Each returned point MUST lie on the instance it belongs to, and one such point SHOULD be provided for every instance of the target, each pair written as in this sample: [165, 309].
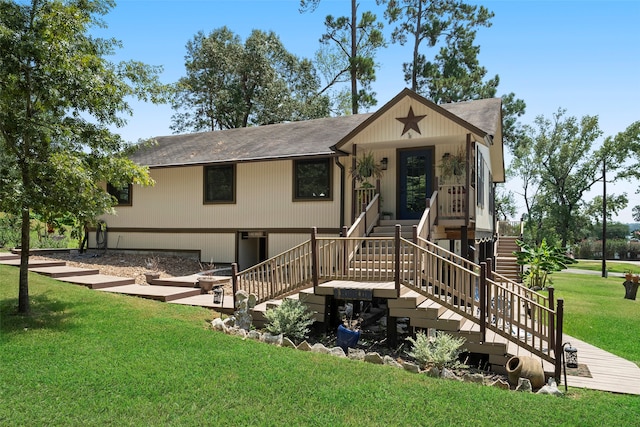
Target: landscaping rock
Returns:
[356, 354]
[229, 322]
[502, 384]
[524, 385]
[319, 348]
[450, 375]
[374, 358]
[235, 331]
[304, 346]
[286, 342]
[433, 372]
[218, 324]
[272, 339]
[390, 361]
[551, 388]
[473, 378]
[411, 367]
[337, 351]
[254, 335]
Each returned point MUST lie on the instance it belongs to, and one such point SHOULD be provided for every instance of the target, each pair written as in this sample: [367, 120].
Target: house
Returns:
[287, 194]
[244, 195]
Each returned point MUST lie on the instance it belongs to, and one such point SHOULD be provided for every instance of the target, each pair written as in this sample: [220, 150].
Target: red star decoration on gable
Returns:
[410, 122]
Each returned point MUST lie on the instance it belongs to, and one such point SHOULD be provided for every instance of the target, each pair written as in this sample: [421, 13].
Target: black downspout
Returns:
[342, 181]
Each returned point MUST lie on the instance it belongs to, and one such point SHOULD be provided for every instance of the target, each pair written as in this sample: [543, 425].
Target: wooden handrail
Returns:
[367, 219]
[278, 275]
[429, 217]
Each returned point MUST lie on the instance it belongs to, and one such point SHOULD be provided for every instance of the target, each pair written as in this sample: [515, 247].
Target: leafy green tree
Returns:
[449, 25]
[453, 73]
[558, 158]
[59, 98]
[229, 84]
[355, 42]
[505, 203]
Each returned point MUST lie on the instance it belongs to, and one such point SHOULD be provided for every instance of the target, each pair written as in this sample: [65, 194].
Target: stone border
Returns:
[524, 385]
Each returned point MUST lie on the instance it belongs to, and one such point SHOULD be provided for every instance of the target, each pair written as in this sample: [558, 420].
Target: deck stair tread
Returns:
[15, 262]
[204, 300]
[160, 293]
[5, 256]
[98, 281]
[64, 271]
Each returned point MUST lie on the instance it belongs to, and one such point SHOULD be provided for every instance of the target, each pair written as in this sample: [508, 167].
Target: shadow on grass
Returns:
[47, 312]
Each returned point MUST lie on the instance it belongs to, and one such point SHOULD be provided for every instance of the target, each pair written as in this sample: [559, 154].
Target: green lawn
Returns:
[596, 312]
[91, 358]
[612, 266]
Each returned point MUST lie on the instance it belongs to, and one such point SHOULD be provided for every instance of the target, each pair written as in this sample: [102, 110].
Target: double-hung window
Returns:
[122, 194]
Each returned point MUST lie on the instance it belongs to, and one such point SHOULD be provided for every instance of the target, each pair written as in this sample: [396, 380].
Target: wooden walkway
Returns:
[606, 371]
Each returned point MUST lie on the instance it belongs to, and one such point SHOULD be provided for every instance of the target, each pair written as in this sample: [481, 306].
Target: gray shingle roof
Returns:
[485, 114]
[284, 140]
[290, 140]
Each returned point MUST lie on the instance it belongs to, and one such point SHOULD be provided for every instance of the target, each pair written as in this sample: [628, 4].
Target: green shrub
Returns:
[291, 318]
[9, 231]
[441, 351]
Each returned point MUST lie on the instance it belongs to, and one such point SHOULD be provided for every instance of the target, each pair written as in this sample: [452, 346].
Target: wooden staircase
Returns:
[505, 261]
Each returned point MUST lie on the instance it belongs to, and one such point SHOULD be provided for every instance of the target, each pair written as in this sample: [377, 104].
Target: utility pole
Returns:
[604, 218]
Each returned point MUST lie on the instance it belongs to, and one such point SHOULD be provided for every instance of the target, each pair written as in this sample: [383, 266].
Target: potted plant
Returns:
[153, 271]
[453, 165]
[206, 278]
[366, 167]
[348, 332]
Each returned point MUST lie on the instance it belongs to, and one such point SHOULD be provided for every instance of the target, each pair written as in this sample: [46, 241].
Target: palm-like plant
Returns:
[542, 261]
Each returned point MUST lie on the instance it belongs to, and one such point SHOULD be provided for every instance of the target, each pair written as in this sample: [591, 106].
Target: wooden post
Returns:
[414, 229]
[392, 330]
[557, 352]
[552, 326]
[345, 244]
[314, 258]
[234, 283]
[489, 268]
[464, 242]
[483, 301]
[396, 276]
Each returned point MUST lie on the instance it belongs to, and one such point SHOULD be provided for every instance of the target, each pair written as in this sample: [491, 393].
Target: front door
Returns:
[415, 183]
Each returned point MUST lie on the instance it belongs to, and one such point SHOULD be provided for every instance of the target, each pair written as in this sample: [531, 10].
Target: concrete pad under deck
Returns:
[159, 293]
[64, 271]
[98, 281]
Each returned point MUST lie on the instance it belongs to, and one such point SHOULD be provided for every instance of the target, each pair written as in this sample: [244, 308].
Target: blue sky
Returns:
[580, 55]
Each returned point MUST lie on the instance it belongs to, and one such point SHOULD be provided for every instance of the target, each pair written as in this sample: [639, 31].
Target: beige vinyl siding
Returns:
[484, 217]
[264, 199]
[387, 128]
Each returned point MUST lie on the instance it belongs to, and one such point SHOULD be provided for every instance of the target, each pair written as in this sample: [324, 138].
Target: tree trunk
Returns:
[354, 67]
[23, 291]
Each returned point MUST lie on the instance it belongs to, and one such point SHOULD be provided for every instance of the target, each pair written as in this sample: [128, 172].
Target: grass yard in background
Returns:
[92, 358]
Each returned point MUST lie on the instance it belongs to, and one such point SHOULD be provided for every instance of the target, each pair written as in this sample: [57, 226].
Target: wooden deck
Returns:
[606, 371]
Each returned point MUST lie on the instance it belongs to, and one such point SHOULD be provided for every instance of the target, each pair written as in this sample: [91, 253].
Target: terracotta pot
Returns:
[525, 367]
[206, 283]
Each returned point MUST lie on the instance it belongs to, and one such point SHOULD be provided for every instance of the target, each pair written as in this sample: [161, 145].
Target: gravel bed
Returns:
[129, 265]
